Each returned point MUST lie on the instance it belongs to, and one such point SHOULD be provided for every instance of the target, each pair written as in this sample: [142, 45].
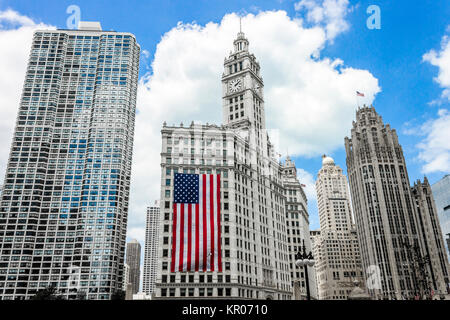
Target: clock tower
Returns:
[243, 96]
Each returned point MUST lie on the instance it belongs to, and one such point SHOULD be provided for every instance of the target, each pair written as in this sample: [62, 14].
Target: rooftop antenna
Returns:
[240, 24]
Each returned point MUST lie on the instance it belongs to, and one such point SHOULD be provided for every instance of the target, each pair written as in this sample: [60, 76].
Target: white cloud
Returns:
[307, 179]
[137, 233]
[310, 101]
[435, 147]
[16, 32]
[10, 17]
[441, 60]
[327, 13]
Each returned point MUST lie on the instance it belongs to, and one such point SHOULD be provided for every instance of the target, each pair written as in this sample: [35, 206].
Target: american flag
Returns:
[359, 94]
[196, 230]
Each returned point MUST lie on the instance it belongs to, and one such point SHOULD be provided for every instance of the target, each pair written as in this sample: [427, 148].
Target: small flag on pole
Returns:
[303, 185]
[359, 94]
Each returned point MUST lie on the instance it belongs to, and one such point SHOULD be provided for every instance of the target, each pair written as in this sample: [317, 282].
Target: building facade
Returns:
[126, 277]
[297, 221]
[336, 248]
[151, 250]
[64, 206]
[134, 263]
[441, 194]
[255, 257]
[437, 267]
[384, 207]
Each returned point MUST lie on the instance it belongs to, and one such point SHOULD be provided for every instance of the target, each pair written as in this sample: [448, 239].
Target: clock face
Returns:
[235, 85]
[256, 87]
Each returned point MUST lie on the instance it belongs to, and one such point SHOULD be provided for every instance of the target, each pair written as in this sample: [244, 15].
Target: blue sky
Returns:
[393, 54]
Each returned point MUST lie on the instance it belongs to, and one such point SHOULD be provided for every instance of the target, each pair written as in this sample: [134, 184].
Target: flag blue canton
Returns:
[186, 188]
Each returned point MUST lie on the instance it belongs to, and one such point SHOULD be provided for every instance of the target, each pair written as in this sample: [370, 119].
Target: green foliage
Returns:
[49, 293]
[118, 295]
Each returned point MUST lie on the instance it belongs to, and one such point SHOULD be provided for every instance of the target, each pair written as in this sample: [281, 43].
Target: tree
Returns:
[118, 295]
[49, 293]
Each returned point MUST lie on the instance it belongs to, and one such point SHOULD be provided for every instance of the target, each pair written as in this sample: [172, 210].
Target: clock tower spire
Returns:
[243, 95]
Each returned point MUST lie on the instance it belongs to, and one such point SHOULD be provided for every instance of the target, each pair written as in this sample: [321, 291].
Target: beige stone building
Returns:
[336, 249]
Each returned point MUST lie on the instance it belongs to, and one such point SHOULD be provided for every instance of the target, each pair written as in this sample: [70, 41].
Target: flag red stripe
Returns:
[174, 237]
[180, 263]
[197, 235]
[189, 251]
[211, 214]
[205, 239]
[219, 228]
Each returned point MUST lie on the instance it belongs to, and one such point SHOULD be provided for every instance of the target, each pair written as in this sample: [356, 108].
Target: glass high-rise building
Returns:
[64, 206]
[441, 194]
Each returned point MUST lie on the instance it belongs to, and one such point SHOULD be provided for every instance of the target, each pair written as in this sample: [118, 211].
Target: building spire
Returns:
[241, 43]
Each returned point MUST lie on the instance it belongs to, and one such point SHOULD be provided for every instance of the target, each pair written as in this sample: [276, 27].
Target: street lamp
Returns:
[303, 259]
[421, 281]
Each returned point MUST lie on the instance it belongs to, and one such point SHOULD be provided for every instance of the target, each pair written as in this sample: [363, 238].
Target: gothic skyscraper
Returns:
[433, 241]
[388, 222]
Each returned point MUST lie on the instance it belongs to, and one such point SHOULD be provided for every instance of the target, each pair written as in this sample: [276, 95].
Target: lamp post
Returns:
[419, 266]
[305, 259]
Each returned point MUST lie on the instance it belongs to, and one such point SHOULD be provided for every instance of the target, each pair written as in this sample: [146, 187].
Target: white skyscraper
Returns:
[64, 206]
[151, 249]
[126, 276]
[254, 244]
[336, 250]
